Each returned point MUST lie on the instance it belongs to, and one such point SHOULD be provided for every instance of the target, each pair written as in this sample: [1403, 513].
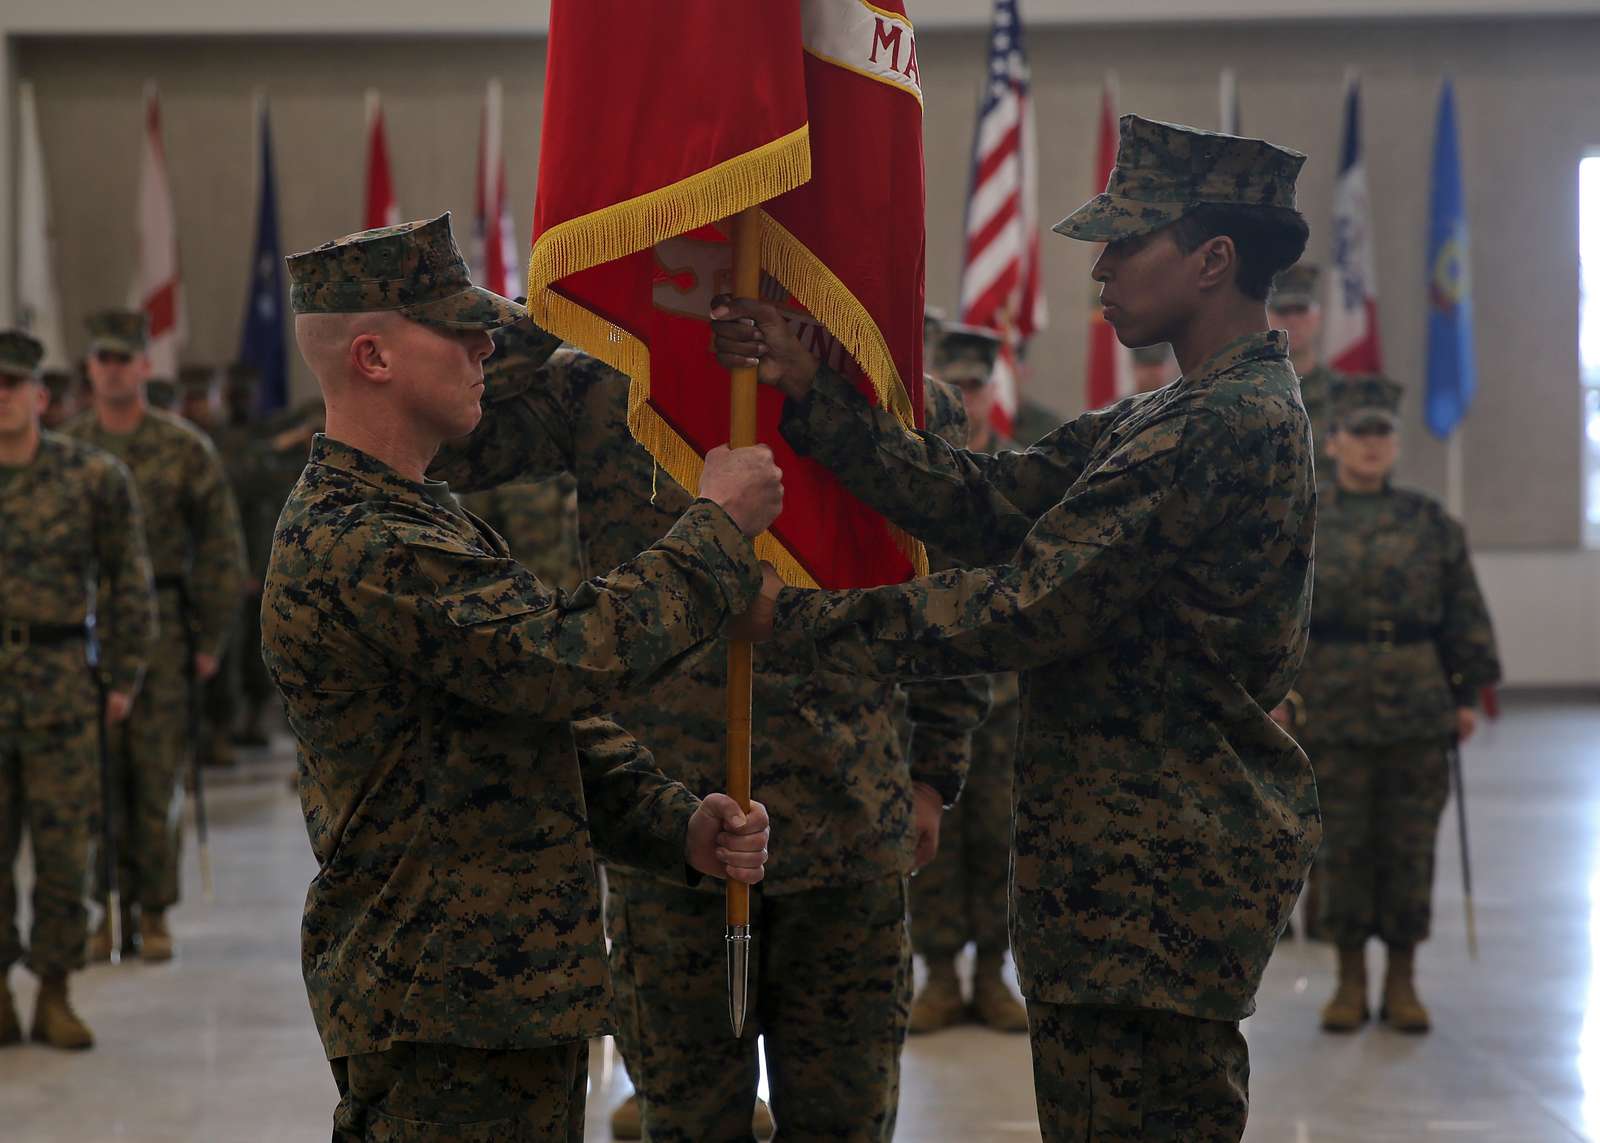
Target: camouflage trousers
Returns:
[962, 894]
[148, 752]
[830, 986]
[1380, 819]
[440, 1093]
[49, 786]
[1116, 1075]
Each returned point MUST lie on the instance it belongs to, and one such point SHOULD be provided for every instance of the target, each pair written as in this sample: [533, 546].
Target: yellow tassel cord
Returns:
[830, 301]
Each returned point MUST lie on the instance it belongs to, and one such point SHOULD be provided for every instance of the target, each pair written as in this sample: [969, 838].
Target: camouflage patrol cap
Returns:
[520, 347]
[933, 320]
[1358, 401]
[1296, 287]
[966, 352]
[413, 269]
[119, 331]
[198, 379]
[19, 354]
[1163, 170]
[60, 382]
[161, 392]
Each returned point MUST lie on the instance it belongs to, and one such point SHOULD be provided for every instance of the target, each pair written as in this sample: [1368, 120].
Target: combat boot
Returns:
[10, 1026]
[100, 940]
[1348, 1010]
[1402, 1009]
[939, 1003]
[992, 999]
[54, 1021]
[155, 940]
[627, 1121]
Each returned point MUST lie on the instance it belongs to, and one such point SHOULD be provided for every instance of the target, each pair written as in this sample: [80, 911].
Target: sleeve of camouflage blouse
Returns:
[519, 438]
[1466, 636]
[975, 505]
[124, 566]
[1085, 563]
[216, 576]
[944, 713]
[485, 629]
[637, 815]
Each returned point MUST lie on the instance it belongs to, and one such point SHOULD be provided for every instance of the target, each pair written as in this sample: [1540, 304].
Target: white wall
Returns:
[1546, 611]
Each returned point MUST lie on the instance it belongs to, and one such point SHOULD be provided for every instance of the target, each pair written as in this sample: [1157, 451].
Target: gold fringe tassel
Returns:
[830, 301]
[700, 200]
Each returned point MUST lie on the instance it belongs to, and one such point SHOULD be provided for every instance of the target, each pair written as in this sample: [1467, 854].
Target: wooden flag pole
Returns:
[741, 434]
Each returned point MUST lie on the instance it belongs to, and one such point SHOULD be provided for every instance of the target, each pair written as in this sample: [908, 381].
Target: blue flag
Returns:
[1452, 369]
[261, 343]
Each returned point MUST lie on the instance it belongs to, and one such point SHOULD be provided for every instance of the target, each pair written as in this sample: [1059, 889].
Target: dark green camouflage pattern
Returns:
[69, 521]
[1316, 394]
[540, 523]
[119, 331]
[50, 788]
[414, 268]
[192, 531]
[19, 354]
[1392, 558]
[72, 542]
[1381, 806]
[455, 784]
[965, 352]
[1164, 169]
[831, 999]
[439, 1093]
[1115, 1076]
[1153, 584]
[825, 754]
[1296, 288]
[1356, 400]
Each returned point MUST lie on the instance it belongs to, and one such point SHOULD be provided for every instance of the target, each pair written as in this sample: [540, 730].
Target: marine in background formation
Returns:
[1401, 642]
[1295, 307]
[831, 978]
[197, 555]
[74, 585]
[960, 896]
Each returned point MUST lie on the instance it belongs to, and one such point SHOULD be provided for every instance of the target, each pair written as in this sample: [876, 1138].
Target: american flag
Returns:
[1000, 274]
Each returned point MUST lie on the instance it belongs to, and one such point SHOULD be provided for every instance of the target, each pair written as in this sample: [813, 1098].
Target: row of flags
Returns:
[1000, 287]
[157, 286]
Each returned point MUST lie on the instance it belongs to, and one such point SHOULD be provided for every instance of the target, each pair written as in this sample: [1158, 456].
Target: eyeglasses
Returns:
[112, 357]
[12, 381]
[1375, 429]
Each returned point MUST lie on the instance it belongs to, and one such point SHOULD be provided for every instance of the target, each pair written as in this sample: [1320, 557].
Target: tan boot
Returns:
[1347, 1011]
[1402, 1009]
[627, 1121]
[992, 999]
[54, 1021]
[761, 1124]
[939, 1004]
[155, 940]
[10, 1026]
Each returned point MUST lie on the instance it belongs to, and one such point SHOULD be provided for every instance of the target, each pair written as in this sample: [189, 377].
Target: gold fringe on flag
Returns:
[701, 200]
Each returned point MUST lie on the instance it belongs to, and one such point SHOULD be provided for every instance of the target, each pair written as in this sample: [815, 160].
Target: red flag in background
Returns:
[1109, 375]
[158, 286]
[662, 120]
[497, 265]
[382, 208]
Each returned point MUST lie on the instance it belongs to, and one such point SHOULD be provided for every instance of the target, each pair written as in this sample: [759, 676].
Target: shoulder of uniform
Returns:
[175, 426]
[76, 425]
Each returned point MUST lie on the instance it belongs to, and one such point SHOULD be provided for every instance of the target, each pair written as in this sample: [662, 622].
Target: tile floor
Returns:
[218, 1047]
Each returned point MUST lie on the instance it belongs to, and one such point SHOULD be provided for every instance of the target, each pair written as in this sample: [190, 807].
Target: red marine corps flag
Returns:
[664, 120]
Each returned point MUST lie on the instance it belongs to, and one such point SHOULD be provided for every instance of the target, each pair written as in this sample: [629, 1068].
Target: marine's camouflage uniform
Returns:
[197, 556]
[69, 521]
[831, 957]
